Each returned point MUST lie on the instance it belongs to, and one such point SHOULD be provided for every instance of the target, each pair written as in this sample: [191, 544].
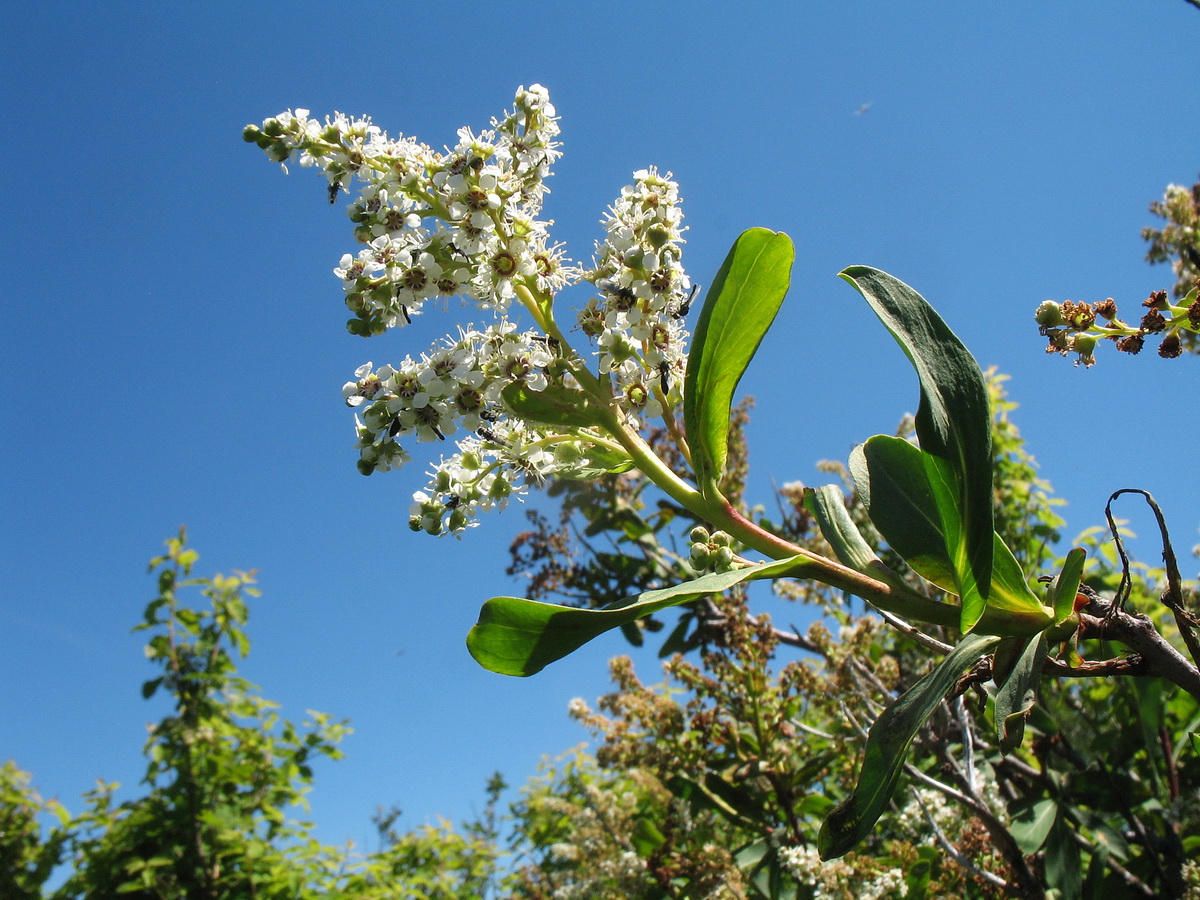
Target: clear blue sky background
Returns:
[173, 342]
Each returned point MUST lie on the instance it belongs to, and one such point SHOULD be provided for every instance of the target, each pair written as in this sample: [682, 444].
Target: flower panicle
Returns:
[434, 224]
[467, 220]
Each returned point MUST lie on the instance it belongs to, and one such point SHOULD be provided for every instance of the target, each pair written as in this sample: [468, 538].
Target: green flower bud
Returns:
[658, 235]
[699, 535]
[250, 134]
[1049, 314]
[567, 455]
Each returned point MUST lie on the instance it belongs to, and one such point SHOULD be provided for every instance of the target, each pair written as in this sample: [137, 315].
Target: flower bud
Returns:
[1049, 314]
[657, 235]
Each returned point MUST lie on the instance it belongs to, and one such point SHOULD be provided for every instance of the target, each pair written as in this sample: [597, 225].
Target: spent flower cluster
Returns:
[1073, 327]
[467, 221]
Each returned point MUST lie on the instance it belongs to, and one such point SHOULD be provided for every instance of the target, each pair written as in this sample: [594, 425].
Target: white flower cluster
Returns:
[925, 804]
[836, 879]
[950, 817]
[457, 384]
[484, 473]
[596, 867]
[638, 321]
[435, 224]
[465, 221]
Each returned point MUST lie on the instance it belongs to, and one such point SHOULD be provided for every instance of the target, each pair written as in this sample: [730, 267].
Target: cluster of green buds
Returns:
[1073, 327]
[713, 551]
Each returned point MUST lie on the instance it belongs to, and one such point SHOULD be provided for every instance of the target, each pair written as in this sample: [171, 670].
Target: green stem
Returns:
[891, 595]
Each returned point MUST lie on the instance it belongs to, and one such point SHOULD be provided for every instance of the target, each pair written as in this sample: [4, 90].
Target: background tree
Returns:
[225, 776]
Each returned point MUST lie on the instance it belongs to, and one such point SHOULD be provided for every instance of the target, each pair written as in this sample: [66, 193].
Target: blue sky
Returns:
[173, 341]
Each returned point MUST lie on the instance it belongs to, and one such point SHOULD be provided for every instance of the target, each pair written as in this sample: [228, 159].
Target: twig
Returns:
[929, 643]
[1172, 597]
[1099, 668]
[957, 855]
[1003, 839]
[1131, 880]
[1138, 633]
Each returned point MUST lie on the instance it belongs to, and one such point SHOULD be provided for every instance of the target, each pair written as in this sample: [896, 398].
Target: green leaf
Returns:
[909, 496]
[953, 418]
[898, 483]
[887, 746]
[556, 405]
[592, 463]
[646, 837]
[1017, 683]
[1031, 824]
[828, 505]
[1063, 861]
[1066, 585]
[717, 795]
[516, 636]
[738, 309]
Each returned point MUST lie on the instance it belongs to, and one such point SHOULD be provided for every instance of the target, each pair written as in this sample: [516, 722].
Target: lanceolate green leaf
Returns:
[887, 747]
[738, 309]
[829, 507]
[1017, 678]
[516, 636]
[894, 481]
[910, 497]
[953, 419]
[1066, 585]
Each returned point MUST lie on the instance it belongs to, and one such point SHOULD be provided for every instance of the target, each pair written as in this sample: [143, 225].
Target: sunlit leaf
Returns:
[738, 309]
[828, 505]
[556, 405]
[953, 419]
[909, 496]
[887, 747]
[1066, 585]
[516, 636]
